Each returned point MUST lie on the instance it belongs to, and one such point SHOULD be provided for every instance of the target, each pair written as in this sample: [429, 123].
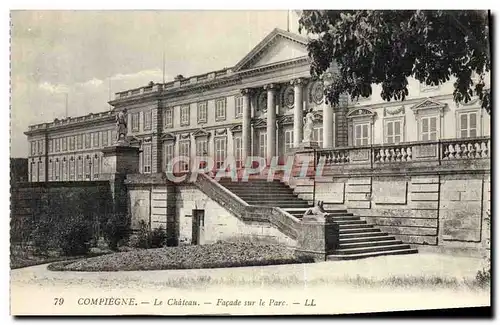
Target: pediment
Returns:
[278, 46]
[286, 119]
[260, 123]
[201, 133]
[360, 112]
[236, 128]
[428, 104]
[168, 137]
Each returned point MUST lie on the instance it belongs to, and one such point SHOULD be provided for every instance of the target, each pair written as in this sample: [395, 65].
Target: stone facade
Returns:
[254, 108]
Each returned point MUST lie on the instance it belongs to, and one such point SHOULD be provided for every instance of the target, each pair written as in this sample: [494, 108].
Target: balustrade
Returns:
[444, 150]
[396, 153]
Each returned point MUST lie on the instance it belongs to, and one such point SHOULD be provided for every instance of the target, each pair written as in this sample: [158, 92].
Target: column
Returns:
[298, 111]
[271, 122]
[246, 129]
[327, 126]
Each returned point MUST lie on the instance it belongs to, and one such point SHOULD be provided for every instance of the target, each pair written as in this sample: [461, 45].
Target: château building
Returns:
[254, 108]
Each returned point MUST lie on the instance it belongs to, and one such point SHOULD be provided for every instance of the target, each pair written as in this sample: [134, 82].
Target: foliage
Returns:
[387, 46]
[116, 229]
[141, 239]
[73, 237]
[189, 257]
[158, 237]
[41, 234]
[483, 277]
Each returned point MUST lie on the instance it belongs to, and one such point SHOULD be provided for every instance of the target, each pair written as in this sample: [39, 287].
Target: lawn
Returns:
[216, 255]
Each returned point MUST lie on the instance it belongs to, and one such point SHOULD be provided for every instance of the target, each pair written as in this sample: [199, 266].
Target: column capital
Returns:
[298, 81]
[247, 91]
[271, 86]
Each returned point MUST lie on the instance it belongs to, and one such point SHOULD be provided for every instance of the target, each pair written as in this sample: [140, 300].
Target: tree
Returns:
[386, 47]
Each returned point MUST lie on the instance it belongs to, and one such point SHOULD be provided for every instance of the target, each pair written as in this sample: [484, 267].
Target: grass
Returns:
[278, 281]
[218, 255]
[25, 256]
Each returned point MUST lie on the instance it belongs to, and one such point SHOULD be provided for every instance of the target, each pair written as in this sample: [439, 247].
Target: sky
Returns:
[88, 55]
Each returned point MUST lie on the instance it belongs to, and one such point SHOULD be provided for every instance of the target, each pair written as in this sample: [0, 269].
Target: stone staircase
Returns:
[357, 239]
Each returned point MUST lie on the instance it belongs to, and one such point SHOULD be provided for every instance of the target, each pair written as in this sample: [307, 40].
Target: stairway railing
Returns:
[282, 220]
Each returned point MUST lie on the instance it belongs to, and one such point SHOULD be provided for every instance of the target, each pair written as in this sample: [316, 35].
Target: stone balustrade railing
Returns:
[71, 120]
[285, 222]
[439, 152]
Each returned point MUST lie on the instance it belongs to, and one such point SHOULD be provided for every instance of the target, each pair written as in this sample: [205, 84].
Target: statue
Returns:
[308, 126]
[316, 211]
[121, 125]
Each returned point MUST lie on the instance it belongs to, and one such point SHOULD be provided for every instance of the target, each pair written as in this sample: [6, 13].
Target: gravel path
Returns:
[326, 282]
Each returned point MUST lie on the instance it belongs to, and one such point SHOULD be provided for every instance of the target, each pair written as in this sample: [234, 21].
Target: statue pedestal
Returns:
[118, 161]
[308, 145]
[319, 236]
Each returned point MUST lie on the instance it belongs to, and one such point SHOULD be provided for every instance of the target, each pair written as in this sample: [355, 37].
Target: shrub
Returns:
[142, 239]
[158, 238]
[42, 234]
[73, 237]
[116, 230]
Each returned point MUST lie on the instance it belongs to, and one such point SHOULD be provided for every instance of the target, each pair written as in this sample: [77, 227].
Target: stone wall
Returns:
[159, 203]
[445, 210]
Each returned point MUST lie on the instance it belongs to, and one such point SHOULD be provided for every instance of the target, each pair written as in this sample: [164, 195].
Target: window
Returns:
[184, 148]
[33, 148]
[393, 132]
[113, 136]
[428, 129]
[80, 168]
[41, 171]
[238, 151]
[51, 145]
[64, 171]
[288, 140]
[58, 144]
[87, 140]
[184, 115]
[57, 169]
[220, 151]
[468, 125]
[71, 143]
[263, 144]
[238, 106]
[168, 118]
[72, 169]
[95, 139]
[148, 120]
[135, 122]
[49, 176]
[88, 163]
[33, 172]
[146, 164]
[220, 109]
[317, 136]
[104, 138]
[201, 147]
[64, 144]
[79, 141]
[361, 134]
[40, 147]
[96, 167]
[168, 149]
[202, 112]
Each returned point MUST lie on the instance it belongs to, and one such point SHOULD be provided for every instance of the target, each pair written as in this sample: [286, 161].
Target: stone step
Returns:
[250, 191]
[361, 234]
[349, 227]
[349, 222]
[278, 205]
[360, 250]
[340, 217]
[357, 231]
[359, 239]
[336, 257]
[370, 243]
